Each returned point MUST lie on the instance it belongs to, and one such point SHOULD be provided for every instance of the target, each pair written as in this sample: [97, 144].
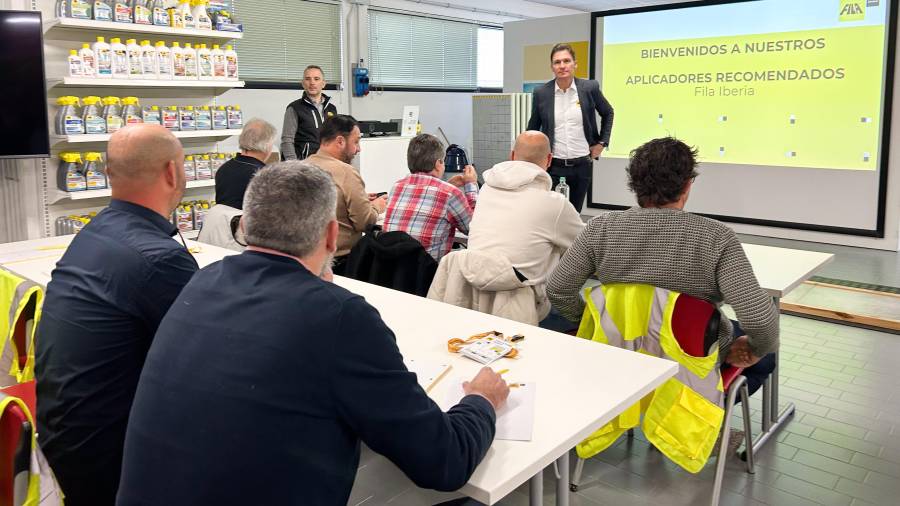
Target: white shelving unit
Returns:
[93, 82]
[109, 26]
[62, 196]
[93, 138]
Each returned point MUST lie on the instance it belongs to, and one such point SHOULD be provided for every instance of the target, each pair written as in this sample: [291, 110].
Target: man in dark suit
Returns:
[564, 110]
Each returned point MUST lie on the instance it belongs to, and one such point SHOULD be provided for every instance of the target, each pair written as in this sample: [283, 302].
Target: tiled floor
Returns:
[841, 449]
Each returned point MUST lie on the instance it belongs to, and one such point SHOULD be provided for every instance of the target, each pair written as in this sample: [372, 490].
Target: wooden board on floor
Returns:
[842, 316]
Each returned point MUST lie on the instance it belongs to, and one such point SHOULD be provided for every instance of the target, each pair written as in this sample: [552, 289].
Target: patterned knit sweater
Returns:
[670, 249]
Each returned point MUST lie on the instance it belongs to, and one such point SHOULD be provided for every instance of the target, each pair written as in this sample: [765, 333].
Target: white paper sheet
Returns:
[427, 373]
[515, 420]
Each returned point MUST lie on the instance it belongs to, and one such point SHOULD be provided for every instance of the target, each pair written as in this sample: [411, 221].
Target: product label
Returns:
[165, 63]
[73, 125]
[204, 171]
[151, 116]
[120, 62]
[75, 182]
[104, 62]
[160, 17]
[80, 9]
[204, 120]
[205, 66]
[183, 219]
[190, 173]
[175, 20]
[231, 68]
[199, 218]
[170, 119]
[219, 120]
[235, 119]
[94, 124]
[123, 13]
[133, 119]
[88, 68]
[188, 20]
[179, 65]
[147, 58]
[187, 120]
[113, 124]
[102, 11]
[76, 67]
[142, 15]
[135, 68]
[190, 65]
[219, 66]
[95, 180]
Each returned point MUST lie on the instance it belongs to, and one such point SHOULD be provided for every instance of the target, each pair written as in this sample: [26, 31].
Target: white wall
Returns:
[518, 34]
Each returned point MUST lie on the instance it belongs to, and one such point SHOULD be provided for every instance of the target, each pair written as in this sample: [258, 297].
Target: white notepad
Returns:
[427, 373]
[515, 420]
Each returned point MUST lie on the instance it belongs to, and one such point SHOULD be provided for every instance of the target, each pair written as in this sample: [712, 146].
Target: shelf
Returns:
[105, 193]
[92, 82]
[87, 138]
[110, 26]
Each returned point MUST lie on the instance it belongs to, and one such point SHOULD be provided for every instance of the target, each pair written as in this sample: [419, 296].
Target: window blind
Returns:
[421, 52]
[282, 37]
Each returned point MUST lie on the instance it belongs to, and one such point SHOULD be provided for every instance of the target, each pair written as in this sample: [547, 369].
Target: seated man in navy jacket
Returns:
[264, 376]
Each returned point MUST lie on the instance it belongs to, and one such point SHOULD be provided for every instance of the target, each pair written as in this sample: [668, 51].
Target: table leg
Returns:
[772, 419]
[562, 481]
[536, 489]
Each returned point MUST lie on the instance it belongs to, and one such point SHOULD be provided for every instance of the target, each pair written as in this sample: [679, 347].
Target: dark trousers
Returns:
[578, 176]
[758, 372]
[339, 265]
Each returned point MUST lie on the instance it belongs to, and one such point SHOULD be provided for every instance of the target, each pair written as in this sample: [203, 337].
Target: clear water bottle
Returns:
[563, 188]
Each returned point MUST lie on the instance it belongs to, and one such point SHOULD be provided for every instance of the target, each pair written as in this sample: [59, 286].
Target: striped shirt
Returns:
[431, 210]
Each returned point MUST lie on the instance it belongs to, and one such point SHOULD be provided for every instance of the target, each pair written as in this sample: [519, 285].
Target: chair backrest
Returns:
[15, 454]
[695, 323]
[393, 260]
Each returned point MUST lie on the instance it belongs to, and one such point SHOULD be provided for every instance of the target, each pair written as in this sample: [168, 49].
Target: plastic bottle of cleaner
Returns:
[89, 61]
[160, 16]
[148, 60]
[140, 9]
[94, 123]
[200, 211]
[231, 63]
[113, 114]
[190, 171]
[203, 118]
[201, 16]
[563, 187]
[163, 64]
[135, 68]
[235, 117]
[131, 111]
[190, 62]
[219, 118]
[152, 114]
[184, 218]
[203, 167]
[187, 118]
[177, 61]
[187, 15]
[69, 177]
[68, 121]
[103, 53]
[122, 11]
[119, 58]
[78, 9]
[204, 63]
[95, 178]
[103, 10]
[76, 64]
[175, 19]
[218, 62]
[218, 160]
[170, 118]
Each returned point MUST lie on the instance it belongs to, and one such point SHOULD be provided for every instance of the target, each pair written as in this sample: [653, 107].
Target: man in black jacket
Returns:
[264, 377]
[564, 110]
[304, 116]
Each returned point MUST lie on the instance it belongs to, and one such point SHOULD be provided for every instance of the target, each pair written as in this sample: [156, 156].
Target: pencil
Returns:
[503, 371]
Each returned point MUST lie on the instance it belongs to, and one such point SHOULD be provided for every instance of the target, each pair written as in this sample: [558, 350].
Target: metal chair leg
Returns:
[630, 433]
[576, 478]
[726, 434]
[748, 430]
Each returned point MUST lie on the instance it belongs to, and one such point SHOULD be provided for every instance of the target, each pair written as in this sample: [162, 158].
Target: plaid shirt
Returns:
[431, 210]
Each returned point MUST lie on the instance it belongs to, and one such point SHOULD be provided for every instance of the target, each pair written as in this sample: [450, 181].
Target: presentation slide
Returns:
[783, 99]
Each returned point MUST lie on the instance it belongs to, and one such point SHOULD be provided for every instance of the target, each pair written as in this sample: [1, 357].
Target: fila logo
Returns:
[851, 9]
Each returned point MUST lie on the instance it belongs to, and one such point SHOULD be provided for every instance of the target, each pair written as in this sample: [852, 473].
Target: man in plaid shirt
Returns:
[426, 207]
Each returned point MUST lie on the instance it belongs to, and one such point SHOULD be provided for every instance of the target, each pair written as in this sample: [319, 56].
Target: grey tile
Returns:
[890, 454]
[819, 447]
[876, 464]
[835, 467]
[801, 471]
[809, 407]
[859, 502]
[771, 495]
[883, 482]
[787, 392]
[850, 443]
[884, 439]
[834, 426]
[865, 492]
[816, 364]
[606, 494]
[849, 407]
[824, 356]
[812, 492]
[869, 422]
[731, 499]
[827, 373]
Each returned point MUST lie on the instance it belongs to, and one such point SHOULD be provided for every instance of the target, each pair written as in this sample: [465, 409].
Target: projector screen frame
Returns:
[879, 230]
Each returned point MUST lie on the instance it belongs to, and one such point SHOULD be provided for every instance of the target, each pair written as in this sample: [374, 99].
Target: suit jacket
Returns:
[543, 105]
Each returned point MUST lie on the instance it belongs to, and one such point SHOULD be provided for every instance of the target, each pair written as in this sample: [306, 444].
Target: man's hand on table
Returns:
[489, 385]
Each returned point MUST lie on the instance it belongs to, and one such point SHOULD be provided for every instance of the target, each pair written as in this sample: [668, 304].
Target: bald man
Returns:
[519, 217]
[104, 301]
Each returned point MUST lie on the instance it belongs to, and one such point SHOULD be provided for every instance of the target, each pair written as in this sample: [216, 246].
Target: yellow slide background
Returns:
[828, 131]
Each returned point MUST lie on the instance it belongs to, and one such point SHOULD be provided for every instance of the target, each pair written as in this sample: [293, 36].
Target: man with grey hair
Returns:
[104, 301]
[256, 142]
[296, 372]
[425, 206]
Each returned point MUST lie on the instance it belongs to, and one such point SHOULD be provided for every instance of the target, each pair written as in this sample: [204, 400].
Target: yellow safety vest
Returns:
[15, 294]
[42, 490]
[683, 417]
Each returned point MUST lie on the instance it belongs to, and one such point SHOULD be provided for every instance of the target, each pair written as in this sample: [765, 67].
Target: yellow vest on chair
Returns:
[15, 294]
[683, 417]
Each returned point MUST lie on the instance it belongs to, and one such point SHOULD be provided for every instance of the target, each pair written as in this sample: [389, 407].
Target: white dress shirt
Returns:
[568, 124]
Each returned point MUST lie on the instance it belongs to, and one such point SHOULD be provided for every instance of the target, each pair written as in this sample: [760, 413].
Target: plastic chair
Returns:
[15, 449]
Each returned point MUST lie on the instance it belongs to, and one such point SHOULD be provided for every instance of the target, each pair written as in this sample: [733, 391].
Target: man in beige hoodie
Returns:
[519, 217]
